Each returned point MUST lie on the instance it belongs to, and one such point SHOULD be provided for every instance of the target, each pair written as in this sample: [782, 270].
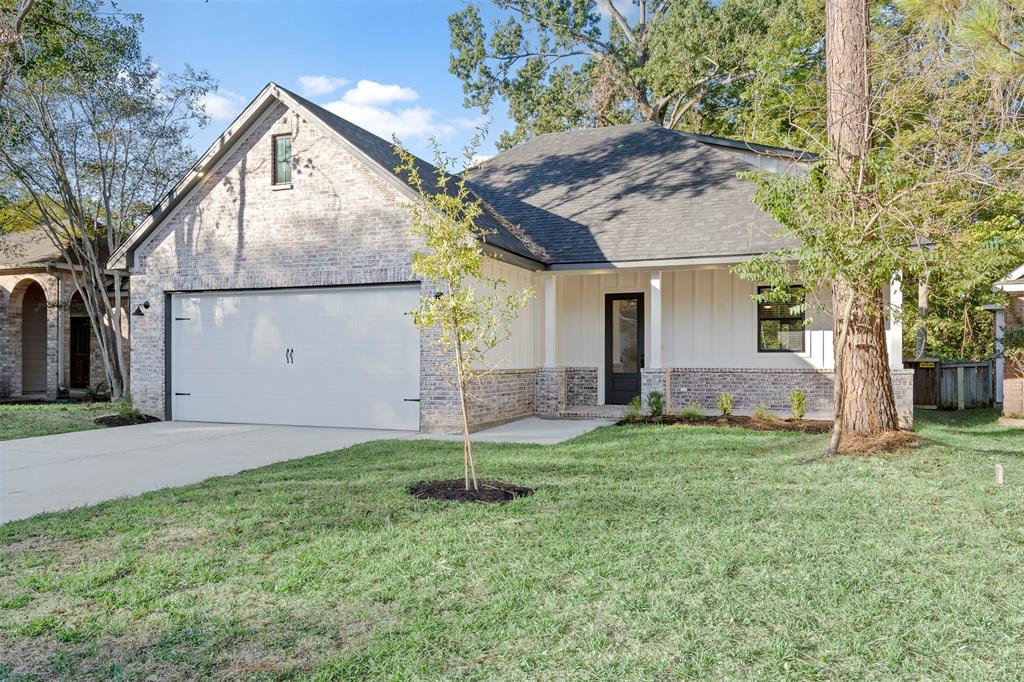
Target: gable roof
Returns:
[376, 152]
[628, 193]
[596, 196]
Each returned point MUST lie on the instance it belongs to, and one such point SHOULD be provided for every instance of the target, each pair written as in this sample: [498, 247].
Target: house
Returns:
[1009, 382]
[276, 278]
[47, 346]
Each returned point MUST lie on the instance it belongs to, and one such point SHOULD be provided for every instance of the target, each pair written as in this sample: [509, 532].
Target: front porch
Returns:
[602, 337]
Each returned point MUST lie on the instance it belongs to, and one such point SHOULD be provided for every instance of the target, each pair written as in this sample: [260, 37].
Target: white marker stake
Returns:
[999, 474]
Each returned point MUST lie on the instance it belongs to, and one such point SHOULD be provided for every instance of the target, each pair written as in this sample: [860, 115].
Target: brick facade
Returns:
[338, 223]
[550, 398]
[750, 386]
[580, 386]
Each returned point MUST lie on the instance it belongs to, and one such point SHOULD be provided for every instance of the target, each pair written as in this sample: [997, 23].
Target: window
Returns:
[282, 159]
[780, 329]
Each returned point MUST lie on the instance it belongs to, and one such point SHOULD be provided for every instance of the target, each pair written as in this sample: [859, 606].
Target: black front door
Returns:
[623, 347]
[80, 333]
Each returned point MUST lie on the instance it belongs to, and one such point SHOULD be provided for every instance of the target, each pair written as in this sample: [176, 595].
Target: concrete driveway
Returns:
[69, 470]
[73, 469]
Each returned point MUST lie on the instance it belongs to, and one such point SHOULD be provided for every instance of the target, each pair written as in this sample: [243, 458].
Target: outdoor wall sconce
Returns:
[138, 309]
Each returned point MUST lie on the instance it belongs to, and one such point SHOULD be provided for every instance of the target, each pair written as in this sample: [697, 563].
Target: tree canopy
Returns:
[697, 65]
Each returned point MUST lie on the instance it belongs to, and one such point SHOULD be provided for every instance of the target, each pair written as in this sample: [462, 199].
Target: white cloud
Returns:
[372, 94]
[222, 105]
[378, 107]
[315, 86]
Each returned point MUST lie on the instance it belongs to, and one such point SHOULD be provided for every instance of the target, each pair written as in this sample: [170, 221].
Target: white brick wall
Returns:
[340, 223]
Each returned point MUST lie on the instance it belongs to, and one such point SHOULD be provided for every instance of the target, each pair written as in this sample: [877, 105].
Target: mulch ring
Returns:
[125, 420]
[454, 490]
[738, 422]
[889, 441]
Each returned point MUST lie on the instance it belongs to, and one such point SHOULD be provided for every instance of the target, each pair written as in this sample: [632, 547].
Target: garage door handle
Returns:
[411, 400]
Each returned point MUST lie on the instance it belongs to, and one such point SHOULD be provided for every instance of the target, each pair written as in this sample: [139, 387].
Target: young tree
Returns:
[471, 310]
[92, 135]
[924, 147]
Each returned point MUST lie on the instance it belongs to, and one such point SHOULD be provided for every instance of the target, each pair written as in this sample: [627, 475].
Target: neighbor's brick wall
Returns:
[341, 223]
[1013, 397]
[751, 386]
[580, 386]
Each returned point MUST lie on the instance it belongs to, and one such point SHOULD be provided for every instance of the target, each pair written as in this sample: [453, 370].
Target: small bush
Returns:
[125, 408]
[635, 409]
[656, 404]
[691, 412]
[798, 403]
[762, 414]
[725, 404]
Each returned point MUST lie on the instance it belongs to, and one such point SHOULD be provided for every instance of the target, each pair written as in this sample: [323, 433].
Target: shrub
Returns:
[762, 414]
[691, 411]
[798, 403]
[656, 404]
[125, 407]
[635, 409]
[725, 404]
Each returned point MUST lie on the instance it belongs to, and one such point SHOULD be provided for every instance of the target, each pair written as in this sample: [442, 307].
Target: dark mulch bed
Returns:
[738, 422]
[125, 420]
[454, 490]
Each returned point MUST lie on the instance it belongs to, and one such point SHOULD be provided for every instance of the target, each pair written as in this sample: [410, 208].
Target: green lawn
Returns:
[646, 553]
[44, 419]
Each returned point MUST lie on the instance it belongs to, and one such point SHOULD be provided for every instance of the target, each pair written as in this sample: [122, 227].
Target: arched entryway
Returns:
[33, 339]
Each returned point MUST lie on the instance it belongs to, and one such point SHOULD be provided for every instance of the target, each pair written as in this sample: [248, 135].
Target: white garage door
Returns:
[315, 357]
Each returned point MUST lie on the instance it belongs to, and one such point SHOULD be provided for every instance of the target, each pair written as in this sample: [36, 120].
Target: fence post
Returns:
[960, 388]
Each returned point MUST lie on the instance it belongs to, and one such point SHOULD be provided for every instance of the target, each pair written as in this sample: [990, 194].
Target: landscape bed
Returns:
[645, 553]
[736, 422]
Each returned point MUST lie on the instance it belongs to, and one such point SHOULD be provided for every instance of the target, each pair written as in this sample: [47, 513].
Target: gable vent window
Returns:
[282, 159]
[780, 329]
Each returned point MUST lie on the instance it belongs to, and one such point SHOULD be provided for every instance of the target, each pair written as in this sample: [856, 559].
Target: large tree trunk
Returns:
[866, 405]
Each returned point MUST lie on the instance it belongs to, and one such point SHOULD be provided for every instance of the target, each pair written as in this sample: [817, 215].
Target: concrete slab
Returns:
[73, 469]
[528, 430]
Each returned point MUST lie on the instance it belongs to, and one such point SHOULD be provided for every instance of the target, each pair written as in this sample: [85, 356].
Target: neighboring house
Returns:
[47, 346]
[1011, 317]
[278, 278]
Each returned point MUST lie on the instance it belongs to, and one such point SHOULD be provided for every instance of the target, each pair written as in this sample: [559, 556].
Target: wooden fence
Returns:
[952, 385]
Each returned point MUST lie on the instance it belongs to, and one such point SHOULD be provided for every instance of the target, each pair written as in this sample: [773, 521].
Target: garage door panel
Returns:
[355, 359]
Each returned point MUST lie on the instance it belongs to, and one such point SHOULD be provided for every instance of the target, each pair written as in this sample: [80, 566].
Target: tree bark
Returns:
[866, 405]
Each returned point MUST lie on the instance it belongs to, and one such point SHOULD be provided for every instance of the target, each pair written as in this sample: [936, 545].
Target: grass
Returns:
[646, 553]
[44, 419]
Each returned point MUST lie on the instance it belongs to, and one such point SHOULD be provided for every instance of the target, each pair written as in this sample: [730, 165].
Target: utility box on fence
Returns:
[952, 385]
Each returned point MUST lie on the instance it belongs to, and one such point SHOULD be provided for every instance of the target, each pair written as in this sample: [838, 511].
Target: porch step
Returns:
[594, 412]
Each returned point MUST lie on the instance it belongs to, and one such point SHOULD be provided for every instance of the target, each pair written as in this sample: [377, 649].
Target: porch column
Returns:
[550, 309]
[654, 361]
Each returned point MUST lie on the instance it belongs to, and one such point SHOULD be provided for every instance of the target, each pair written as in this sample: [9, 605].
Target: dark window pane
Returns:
[779, 327]
[282, 160]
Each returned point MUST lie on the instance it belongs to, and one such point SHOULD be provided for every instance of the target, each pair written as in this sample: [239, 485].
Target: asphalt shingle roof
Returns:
[499, 231]
[625, 193]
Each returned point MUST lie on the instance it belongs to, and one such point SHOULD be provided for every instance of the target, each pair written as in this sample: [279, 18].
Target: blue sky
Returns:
[383, 64]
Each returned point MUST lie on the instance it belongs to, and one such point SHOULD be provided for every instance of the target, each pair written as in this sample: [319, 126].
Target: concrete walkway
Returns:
[528, 430]
[69, 470]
